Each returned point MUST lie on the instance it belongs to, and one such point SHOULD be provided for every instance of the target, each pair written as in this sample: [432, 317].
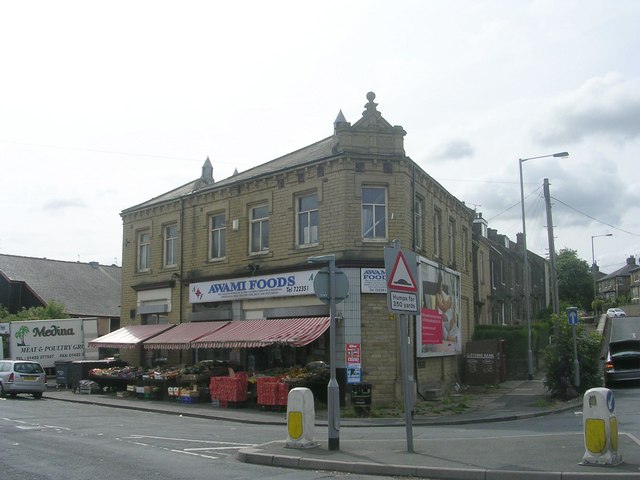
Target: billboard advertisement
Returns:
[438, 324]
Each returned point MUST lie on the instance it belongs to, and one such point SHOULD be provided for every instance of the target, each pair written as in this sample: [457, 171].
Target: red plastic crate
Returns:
[271, 391]
[229, 389]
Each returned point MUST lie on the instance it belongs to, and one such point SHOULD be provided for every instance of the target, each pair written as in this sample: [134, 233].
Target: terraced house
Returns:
[235, 252]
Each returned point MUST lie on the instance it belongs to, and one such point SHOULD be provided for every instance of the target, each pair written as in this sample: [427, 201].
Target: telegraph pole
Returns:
[555, 298]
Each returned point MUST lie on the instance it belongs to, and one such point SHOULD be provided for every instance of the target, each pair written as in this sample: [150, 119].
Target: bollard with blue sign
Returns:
[600, 428]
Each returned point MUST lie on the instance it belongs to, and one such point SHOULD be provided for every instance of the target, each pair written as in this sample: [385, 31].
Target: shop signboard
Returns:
[373, 280]
[247, 288]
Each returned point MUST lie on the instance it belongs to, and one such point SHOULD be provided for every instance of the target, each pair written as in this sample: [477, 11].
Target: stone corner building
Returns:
[237, 249]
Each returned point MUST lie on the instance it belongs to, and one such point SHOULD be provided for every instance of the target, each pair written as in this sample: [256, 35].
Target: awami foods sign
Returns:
[284, 285]
[47, 341]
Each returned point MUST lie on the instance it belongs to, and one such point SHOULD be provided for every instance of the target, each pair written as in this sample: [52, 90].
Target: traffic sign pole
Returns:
[402, 298]
[572, 317]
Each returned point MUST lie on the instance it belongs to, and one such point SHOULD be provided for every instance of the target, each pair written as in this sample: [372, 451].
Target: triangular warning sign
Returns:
[401, 278]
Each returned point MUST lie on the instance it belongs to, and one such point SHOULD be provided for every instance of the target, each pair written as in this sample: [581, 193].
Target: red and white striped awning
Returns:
[295, 332]
[181, 337]
[130, 336]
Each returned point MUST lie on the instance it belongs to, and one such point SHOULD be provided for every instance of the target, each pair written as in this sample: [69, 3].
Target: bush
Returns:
[559, 360]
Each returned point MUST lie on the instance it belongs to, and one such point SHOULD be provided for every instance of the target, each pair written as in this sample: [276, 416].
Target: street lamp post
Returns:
[525, 266]
[593, 264]
[333, 390]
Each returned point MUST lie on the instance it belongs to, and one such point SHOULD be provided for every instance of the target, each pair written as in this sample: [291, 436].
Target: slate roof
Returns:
[316, 151]
[622, 272]
[85, 289]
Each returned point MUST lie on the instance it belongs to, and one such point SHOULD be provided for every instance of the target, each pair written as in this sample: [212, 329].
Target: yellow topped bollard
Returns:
[600, 428]
[300, 418]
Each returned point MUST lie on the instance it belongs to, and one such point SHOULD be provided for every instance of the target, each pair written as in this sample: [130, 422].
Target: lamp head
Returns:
[561, 154]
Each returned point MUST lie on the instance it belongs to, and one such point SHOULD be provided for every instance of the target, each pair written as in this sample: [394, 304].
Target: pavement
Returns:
[517, 456]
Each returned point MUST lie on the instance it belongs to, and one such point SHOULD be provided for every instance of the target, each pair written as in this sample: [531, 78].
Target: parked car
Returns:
[622, 362]
[616, 313]
[19, 376]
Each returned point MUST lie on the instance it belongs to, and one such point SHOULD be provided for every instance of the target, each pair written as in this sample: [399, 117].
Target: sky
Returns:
[106, 105]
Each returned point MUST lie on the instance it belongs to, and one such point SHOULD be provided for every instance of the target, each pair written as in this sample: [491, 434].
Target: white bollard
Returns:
[300, 418]
[600, 427]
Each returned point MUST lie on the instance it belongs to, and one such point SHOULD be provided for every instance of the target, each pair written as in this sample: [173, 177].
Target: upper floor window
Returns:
[481, 267]
[465, 246]
[259, 229]
[492, 272]
[417, 224]
[171, 245]
[144, 251]
[307, 213]
[374, 213]
[218, 236]
[437, 232]
[452, 241]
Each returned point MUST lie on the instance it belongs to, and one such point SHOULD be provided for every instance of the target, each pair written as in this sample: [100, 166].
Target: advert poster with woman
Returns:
[438, 328]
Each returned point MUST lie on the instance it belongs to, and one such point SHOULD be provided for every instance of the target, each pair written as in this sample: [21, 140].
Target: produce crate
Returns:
[272, 391]
[229, 389]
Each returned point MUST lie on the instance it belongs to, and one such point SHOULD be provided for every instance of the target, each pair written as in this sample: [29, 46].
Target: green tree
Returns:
[575, 283]
[52, 310]
[559, 359]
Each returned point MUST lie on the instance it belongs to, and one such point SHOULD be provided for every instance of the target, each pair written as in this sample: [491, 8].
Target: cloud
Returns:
[455, 149]
[608, 106]
[64, 204]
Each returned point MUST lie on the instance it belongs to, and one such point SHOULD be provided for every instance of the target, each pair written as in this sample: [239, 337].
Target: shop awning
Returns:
[129, 337]
[180, 337]
[295, 332]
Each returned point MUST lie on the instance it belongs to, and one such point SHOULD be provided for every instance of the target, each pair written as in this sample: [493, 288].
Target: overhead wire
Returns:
[595, 219]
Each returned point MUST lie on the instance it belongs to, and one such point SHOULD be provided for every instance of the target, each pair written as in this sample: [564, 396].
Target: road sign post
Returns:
[331, 290]
[402, 298]
[572, 318]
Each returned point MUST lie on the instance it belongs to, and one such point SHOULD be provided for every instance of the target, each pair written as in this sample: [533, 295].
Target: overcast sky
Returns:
[106, 105]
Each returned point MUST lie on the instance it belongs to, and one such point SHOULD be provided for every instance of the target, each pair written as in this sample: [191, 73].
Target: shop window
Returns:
[374, 213]
[153, 319]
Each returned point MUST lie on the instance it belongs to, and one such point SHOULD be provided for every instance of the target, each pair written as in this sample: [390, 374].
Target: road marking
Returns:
[213, 445]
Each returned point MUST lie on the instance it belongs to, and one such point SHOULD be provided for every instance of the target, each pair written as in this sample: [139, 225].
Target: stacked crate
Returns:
[272, 391]
[229, 391]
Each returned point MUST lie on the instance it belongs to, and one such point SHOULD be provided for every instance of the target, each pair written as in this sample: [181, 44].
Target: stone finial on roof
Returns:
[207, 172]
[235, 172]
[371, 105]
[340, 122]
